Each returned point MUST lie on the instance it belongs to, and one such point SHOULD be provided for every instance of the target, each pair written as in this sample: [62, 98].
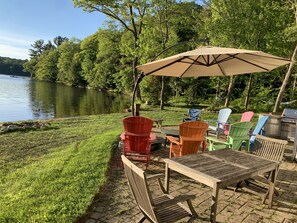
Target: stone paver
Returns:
[114, 203]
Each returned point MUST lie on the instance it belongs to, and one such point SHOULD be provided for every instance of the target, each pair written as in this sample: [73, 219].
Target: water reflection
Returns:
[23, 99]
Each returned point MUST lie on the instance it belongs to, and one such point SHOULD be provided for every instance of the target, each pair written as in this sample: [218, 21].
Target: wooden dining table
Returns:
[220, 168]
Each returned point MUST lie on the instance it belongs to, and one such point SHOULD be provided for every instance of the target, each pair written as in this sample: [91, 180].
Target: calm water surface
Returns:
[24, 99]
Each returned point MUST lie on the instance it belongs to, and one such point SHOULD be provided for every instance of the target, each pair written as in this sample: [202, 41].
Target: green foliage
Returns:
[107, 59]
[68, 65]
[12, 66]
[46, 67]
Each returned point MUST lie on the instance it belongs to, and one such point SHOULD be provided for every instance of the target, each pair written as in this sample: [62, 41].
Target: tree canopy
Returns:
[137, 31]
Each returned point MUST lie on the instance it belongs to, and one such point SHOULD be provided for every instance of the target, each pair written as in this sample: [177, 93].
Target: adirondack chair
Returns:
[239, 133]
[246, 117]
[137, 144]
[164, 208]
[258, 130]
[268, 148]
[192, 136]
[223, 119]
[193, 115]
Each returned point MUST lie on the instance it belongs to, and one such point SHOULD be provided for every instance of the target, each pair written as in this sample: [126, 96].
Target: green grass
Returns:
[52, 175]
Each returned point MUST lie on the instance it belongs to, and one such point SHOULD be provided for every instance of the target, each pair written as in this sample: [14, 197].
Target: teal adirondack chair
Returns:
[238, 133]
[223, 118]
[193, 115]
[258, 130]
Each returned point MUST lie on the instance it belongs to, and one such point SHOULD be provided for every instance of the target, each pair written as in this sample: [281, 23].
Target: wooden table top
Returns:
[220, 167]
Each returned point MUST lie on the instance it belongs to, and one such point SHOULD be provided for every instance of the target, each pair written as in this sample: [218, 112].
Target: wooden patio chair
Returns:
[137, 143]
[164, 208]
[191, 137]
[271, 149]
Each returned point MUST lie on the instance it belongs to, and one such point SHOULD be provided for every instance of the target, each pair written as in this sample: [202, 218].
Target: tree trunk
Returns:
[293, 87]
[134, 65]
[230, 88]
[247, 97]
[162, 93]
[218, 91]
[283, 87]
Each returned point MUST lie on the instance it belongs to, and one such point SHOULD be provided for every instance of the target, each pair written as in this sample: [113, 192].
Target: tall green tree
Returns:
[37, 49]
[250, 24]
[291, 34]
[46, 67]
[68, 67]
[129, 14]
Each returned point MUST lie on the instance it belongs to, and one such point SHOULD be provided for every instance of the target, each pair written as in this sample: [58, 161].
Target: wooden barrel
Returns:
[272, 127]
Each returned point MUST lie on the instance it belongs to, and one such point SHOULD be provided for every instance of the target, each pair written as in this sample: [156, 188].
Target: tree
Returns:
[58, 40]
[46, 67]
[68, 69]
[292, 37]
[129, 14]
[250, 24]
[37, 50]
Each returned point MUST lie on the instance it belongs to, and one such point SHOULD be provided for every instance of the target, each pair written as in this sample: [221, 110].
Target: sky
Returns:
[22, 22]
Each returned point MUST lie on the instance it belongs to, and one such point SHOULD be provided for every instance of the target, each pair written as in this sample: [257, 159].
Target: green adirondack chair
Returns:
[238, 133]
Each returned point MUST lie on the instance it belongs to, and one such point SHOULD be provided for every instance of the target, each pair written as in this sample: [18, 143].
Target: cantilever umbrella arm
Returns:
[142, 75]
[139, 78]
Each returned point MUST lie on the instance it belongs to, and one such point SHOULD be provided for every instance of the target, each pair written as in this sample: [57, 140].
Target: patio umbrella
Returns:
[213, 61]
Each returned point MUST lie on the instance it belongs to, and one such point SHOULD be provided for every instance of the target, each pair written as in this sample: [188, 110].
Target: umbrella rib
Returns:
[160, 68]
[234, 56]
[190, 66]
[215, 59]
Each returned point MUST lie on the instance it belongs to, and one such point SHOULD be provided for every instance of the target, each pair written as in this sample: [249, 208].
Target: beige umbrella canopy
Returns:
[213, 61]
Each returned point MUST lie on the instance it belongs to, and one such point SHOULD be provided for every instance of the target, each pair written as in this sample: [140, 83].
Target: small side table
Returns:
[170, 132]
[158, 122]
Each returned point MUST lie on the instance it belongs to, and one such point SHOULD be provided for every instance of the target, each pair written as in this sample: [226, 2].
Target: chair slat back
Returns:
[194, 114]
[139, 188]
[138, 124]
[193, 130]
[238, 133]
[247, 116]
[137, 133]
[258, 128]
[224, 115]
[269, 148]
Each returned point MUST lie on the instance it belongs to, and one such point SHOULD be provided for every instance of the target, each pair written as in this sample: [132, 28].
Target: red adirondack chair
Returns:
[137, 141]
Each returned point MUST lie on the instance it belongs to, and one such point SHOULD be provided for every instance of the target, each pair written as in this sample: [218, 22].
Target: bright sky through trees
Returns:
[24, 22]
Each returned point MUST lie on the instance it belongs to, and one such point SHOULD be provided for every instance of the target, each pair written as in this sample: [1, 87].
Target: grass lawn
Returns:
[52, 175]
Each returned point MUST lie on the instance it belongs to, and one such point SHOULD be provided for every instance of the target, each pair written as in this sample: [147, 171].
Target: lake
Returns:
[24, 99]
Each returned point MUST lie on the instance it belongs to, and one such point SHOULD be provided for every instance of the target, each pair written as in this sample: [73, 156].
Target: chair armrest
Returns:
[173, 140]
[158, 175]
[192, 139]
[174, 201]
[212, 139]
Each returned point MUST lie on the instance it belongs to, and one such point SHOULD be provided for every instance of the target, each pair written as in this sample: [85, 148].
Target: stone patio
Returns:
[114, 203]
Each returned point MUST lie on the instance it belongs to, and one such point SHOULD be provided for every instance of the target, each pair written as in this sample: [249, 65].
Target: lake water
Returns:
[25, 99]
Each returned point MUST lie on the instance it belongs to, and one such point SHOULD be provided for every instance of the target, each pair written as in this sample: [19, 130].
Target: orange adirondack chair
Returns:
[192, 136]
[137, 143]
[246, 117]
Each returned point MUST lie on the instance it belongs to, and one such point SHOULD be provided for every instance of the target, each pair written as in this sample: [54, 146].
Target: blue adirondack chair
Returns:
[223, 118]
[258, 130]
[193, 115]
